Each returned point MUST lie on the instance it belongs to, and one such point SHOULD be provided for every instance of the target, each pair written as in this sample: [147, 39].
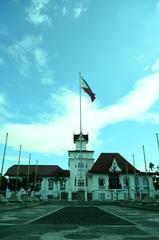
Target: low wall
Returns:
[140, 205]
[9, 206]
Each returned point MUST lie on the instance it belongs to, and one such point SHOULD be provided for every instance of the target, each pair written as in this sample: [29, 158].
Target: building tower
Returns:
[80, 162]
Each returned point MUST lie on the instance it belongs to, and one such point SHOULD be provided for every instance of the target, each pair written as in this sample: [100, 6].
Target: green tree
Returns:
[3, 183]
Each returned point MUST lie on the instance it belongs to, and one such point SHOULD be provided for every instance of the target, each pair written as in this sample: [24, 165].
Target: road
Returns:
[56, 222]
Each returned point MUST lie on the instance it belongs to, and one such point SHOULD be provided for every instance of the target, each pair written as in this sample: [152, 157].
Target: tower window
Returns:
[80, 165]
[75, 182]
[81, 183]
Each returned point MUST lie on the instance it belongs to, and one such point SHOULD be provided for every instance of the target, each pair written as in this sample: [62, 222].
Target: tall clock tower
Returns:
[80, 161]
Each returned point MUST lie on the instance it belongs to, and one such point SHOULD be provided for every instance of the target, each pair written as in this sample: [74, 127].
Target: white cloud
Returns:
[37, 12]
[28, 54]
[55, 134]
[155, 66]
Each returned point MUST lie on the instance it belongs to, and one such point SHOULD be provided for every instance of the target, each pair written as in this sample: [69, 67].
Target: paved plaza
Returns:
[57, 222]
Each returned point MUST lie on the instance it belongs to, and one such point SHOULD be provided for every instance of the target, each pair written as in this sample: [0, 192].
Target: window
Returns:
[81, 183]
[80, 165]
[63, 184]
[51, 184]
[126, 181]
[75, 182]
[101, 182]
[114, 182]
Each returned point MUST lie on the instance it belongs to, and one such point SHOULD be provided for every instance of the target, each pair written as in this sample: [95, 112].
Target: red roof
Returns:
[76, 137]
[42, 170]
[105, 160]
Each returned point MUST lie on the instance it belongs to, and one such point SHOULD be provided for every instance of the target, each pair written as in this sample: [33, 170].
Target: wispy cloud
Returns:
[37, 12]
[64, 11]
[28, 55]
[5, 115]
[22, 51]
[157, 6]
[55, 134]
[79, 10]
[1, 61]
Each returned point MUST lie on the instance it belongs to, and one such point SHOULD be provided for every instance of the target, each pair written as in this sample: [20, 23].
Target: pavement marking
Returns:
[45, 215]
[84, 216]
[116, 215]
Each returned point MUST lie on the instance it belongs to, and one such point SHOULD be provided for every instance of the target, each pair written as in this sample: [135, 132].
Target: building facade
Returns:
[111, 177]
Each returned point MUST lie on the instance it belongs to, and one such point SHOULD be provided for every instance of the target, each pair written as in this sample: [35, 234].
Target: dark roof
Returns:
[66, 173]
[105, 160]
[42, 170]
[76, 137]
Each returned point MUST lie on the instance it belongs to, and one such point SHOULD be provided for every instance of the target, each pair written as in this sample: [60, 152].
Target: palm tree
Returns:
[151, 166]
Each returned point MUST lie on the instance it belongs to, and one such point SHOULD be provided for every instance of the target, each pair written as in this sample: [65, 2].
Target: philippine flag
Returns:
[87, 89]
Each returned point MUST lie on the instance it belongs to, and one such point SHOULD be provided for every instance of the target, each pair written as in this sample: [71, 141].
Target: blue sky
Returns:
[44, 44]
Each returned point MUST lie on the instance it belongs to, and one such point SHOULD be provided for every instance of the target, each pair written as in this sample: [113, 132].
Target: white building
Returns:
[110, 177]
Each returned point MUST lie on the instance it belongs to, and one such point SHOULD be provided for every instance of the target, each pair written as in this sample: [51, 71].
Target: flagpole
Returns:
[28, 170]
[80, 104]
[80, 135]
[143, 148]
[135, 178]
[3, 159]
[16, 183]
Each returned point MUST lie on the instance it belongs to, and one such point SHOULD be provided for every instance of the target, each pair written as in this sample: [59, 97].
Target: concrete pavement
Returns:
[140, 224]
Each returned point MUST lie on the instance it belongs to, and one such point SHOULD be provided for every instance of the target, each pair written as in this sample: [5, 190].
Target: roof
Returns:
[104, 162]
[66, 173]
[42, 170]
[76, 137]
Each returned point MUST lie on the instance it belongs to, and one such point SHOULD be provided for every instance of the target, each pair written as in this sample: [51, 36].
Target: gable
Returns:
[105, 161]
